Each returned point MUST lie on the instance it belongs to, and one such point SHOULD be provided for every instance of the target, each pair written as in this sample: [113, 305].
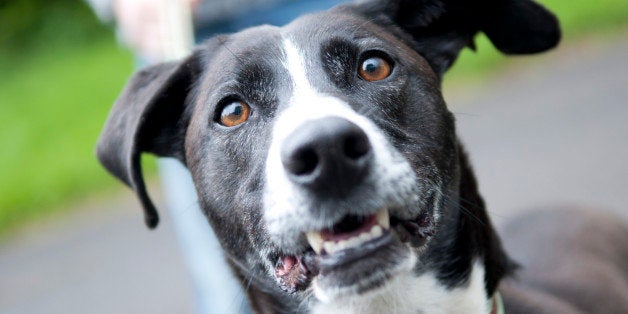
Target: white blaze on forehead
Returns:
[282, 199]
[295, 64]
[306, 103]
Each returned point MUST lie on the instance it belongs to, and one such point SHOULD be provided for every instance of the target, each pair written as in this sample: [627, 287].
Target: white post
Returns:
[216, 291]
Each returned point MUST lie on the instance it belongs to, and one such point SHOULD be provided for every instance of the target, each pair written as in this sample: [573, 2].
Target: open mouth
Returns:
[351, 232]
[352, 251]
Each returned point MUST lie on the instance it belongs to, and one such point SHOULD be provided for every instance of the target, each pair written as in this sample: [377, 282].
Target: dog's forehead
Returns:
[252, 45]
[268, 44]
[311, 32]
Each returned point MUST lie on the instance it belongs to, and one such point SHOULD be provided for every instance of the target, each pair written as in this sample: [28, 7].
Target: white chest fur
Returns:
[410, 294]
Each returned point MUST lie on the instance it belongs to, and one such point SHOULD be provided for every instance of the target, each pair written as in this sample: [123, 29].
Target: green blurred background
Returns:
[61, 69]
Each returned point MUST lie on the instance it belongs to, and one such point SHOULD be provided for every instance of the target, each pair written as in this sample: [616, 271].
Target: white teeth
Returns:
[351, 242]
[364, 237]
[318, 244]
[376, 231]
[315, 240]
[382, 218]
[330, 246]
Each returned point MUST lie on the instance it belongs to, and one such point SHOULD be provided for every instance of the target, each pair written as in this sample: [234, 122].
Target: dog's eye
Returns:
[374, 69]
[234, 113]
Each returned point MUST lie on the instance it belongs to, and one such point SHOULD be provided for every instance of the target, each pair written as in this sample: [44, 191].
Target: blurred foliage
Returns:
[577, 19]
[61, 69]
[29, 25]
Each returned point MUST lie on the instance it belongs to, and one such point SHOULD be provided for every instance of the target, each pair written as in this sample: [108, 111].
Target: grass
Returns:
[53, 108]
[55, 96]
[577, 19]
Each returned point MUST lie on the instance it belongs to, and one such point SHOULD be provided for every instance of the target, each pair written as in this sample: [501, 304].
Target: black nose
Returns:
[328, 155]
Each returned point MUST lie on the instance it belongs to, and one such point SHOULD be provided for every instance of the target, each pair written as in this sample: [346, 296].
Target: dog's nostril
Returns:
[330, 155]
[356, 146]
[303, 162]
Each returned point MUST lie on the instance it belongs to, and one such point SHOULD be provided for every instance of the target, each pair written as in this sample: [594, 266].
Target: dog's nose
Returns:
[329, 155]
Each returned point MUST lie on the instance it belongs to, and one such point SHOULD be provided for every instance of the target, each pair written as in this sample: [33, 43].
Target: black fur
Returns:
[156, 95]
[440, 29]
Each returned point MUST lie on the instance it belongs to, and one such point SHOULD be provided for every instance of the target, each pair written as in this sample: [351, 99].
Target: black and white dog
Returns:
[328, 164]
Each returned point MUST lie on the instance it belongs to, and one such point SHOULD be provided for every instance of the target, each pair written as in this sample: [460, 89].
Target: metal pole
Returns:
[215, 288]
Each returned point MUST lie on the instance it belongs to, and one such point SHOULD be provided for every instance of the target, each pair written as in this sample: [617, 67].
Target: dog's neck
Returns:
[417, 294]
[460, 272]
[477, 228]
[404, 294]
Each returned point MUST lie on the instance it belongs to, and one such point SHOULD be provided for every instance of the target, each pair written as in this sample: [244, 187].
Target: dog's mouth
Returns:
[351, 232]
[352, 251]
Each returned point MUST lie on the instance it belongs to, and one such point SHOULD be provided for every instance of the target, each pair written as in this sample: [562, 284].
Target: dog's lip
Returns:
[292, 273]
[332, 240]
[416, 231]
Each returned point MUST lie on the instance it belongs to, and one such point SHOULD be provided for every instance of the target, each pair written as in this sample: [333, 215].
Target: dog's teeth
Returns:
[383, 218]
[365, 237]
[316, 241]
[330, 247]
[318, 244]
[341, 245]
[355, 241]
[376, 231]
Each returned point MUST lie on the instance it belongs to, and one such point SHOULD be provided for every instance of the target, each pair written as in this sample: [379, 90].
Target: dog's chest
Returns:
[411, 294]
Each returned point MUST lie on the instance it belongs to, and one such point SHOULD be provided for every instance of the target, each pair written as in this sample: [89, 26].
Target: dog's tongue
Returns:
[285, 265]
[292, 273]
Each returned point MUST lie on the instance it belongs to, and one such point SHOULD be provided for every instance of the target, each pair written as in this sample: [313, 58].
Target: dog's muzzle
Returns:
[344, 208]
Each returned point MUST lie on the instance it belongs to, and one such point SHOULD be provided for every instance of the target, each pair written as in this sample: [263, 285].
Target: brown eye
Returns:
[374, 69]
[234, 113]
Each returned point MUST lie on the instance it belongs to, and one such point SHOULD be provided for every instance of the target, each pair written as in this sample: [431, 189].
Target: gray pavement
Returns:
[97, 260]
[553, 132]
[549, 131]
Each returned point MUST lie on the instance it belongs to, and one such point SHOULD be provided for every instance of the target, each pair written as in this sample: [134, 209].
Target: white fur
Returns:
[333, 295]
[409, 294]
[285, 205]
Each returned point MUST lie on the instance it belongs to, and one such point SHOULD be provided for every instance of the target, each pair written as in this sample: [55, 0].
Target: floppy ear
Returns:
[441, 28]
[148, 116]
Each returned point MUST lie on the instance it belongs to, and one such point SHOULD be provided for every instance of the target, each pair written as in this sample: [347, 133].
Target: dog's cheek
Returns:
[425, 136]
[228, 174]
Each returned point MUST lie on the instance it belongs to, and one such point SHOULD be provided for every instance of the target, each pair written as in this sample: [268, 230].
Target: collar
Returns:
[496, 304]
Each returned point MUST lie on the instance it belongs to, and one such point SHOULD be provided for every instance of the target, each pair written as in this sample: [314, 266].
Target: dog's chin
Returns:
[362, 269]
[358, 255]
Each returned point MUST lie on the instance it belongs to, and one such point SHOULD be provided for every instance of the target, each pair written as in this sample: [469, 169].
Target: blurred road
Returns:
[100, 259]
[551, 130]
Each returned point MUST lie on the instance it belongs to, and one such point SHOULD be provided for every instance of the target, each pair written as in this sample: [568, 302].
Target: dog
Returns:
[328, 165]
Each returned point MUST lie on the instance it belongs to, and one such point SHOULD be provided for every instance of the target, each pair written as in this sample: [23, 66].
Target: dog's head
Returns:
[322, 152]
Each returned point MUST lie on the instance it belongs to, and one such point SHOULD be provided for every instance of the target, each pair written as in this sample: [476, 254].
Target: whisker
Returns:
[450, 202]
[458, 113]
[223, 42]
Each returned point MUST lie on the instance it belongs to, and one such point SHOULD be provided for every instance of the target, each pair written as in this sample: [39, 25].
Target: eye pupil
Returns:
[237, 110]
[374, 69]
[234, 113]
[371, 67]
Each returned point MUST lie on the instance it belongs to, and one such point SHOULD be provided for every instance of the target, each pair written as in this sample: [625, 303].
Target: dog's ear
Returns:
[441, 28]
[148, 116]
